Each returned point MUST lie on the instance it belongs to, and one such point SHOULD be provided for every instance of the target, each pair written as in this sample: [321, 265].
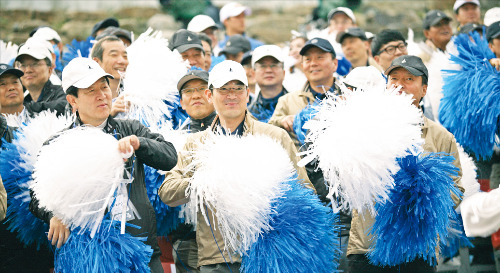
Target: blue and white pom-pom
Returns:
[303, 236]
[302, 118]
[417, 212]
[469, 107]
[78, 49]
[357, 140]
[456, 238]
[17, 161]
[106, 251]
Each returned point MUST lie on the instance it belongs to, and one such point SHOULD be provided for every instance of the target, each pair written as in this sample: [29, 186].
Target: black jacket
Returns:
[154, 151]
[52, 98]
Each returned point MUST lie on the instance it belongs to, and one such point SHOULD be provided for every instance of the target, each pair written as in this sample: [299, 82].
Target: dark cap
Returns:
[191, 75]
[433, 17]
[247, 58]
[115, 31]
[351, 32]
[183, 40]
[493, 31]
[470, 27]
[108, 22]
[319, 43]
[235, 44]
[7, 69]
[413, 64]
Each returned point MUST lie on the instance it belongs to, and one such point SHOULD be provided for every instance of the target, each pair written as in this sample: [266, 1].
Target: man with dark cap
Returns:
[493, 36]
[356, 47]
[188, 44]
[121, 33]
[410, 73]
[437, 32]
[235, 48]
[387, 46]
[100, 26]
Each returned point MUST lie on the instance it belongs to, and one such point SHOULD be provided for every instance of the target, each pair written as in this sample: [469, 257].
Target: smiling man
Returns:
[467, 12]
[437, 32]
[88, 92]
[188, 44]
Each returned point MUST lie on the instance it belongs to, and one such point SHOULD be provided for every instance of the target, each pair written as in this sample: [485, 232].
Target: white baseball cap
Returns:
[460, 3]
[346, 11]
[267, 50]
[491, 16]
[233, 9]
[82, 73]
[366, 78]
[36, 49]
[201, 22]
[225, 72]
[47, 34]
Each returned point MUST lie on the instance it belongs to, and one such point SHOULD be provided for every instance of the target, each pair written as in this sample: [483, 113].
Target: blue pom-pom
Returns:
[456, 237]
[15, 179]
[408, 224]
[262, 113]
[78, 49]
[108, 251]
[167, 218]
[469, 107]
[303, 238]
[344, 66]
[301, 118]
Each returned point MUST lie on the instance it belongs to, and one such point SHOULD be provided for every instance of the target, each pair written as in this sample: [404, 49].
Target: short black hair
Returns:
[72, 91]
[384, 37]
[205, 38]
[98, 49]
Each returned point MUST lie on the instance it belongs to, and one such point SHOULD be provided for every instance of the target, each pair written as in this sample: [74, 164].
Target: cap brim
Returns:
[36, 56]
[183, 48]
[413, 71]
[437, 20]
[13, 71]
[221, 82]
[307, 47]
[494, 35]
[230, 50]
[187, 78]
[89, 79]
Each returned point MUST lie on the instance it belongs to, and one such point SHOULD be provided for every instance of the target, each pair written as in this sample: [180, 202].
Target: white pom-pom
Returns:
[238, 178]
[8, 51]
[77, 174]
[357, 140]
[469, 174]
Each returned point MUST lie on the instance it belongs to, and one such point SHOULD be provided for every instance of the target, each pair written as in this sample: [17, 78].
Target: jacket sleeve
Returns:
[3, 201]
[280, 112]
[59, 106]
[154, 151]
[40, 213]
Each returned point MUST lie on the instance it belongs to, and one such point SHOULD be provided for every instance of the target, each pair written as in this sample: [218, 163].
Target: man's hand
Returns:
[58, 232]
[119, 106]
[495, 62]
[287, 123]
[128, 145]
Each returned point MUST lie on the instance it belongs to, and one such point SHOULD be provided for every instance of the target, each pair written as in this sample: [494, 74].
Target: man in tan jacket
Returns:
[410, 73]
[3, 200]
[229, 93]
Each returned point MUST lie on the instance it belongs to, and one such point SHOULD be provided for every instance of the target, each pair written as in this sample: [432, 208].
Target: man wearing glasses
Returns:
[34, 60]
[267, 61]
[387, 46]
[229, 93]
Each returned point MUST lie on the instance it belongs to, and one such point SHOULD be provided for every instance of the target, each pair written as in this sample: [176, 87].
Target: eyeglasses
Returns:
[392, 49]
[235, 90]
[34, 65]
[188, 92]
[266, 66]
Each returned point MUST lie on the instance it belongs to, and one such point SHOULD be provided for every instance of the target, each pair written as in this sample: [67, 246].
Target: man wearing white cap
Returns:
[267, 61]
[88, 92]
[34, 60]
[232, 15]
[467, 11]
[339, 19]
[229, 93]
[50, 35]
[204, 24]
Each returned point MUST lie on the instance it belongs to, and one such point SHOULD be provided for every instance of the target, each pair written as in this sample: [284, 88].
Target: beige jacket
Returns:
[173, 189]
[437, 139]
[3, 200]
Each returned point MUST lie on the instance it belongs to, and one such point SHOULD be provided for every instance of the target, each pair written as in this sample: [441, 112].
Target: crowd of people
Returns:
[236, 85]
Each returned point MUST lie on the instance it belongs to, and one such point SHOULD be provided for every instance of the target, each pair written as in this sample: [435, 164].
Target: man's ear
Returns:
[209, 94]
[72, 101]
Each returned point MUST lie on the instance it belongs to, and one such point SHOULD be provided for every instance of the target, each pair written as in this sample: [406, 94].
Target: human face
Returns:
[340, 22]
[230, 100]
[468, 13]
[409, 83]
[235, 24]
[114, 58]
[208, 54]
[318, 66]
[11, 92]
[36, 72]
[194, 100]
[212, 32]
[295, 46]
[385, 59]
[439, 34]
[195, 57]
[355, 50]
[269, 73]
[495, 46]
[93, 103]
[250, 74]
